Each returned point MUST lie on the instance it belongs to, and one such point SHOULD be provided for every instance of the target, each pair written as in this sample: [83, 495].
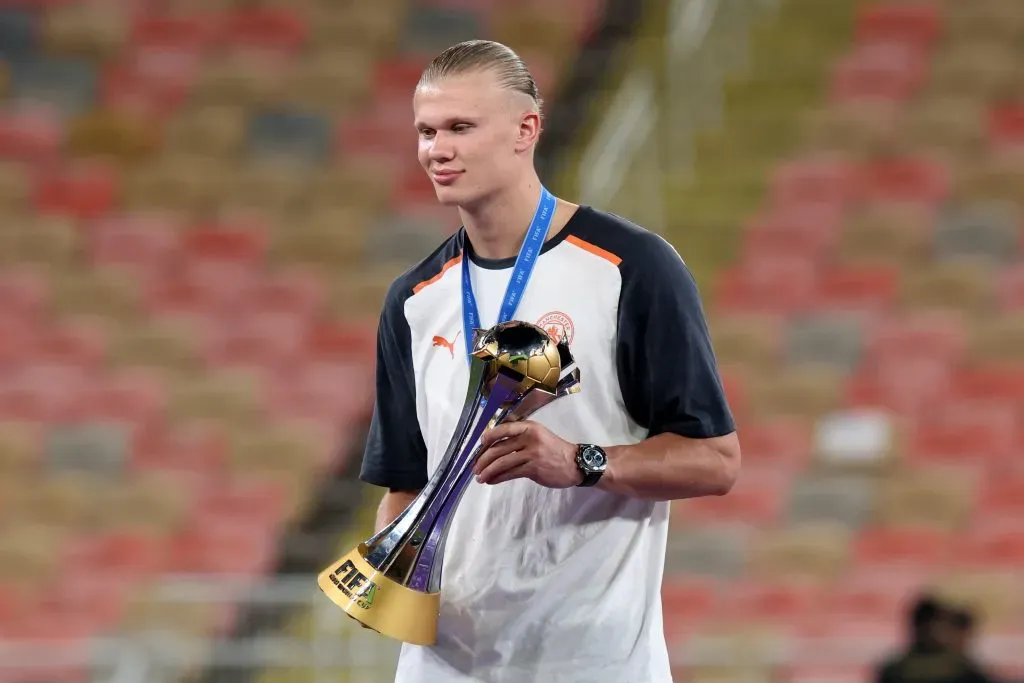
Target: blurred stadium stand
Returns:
[202, 203]
[846, 184]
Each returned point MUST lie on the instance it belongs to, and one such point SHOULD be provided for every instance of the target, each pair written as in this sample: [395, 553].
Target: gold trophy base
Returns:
[374, 600]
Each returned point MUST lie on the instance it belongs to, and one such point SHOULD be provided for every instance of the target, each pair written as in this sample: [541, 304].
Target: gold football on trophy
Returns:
[526, 350]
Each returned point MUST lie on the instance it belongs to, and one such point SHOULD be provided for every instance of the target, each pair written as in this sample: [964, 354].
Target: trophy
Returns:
[391, 582]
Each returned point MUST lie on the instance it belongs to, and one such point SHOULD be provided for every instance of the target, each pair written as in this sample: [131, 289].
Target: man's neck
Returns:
[497, 227]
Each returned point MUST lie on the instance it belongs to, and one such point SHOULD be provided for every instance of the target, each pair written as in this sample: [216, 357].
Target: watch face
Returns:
[593, 458]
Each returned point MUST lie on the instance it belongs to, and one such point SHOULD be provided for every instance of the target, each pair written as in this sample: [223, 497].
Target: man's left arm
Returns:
[670, 385]
[671, 467]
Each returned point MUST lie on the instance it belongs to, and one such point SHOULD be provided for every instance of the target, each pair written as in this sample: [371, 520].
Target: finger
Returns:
[504, 430]
[499, 467]
[498, 450]
[519, 472]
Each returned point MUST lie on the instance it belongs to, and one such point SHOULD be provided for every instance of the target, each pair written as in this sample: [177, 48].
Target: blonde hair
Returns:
[474, 55]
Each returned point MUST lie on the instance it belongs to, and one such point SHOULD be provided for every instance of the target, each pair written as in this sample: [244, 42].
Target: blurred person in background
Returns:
[936, 652]
[962, 630]
[553, 563]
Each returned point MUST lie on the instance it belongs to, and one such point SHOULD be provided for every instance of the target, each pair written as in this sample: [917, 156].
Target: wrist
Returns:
[591, 462]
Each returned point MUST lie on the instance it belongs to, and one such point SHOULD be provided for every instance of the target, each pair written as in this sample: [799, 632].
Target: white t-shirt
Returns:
[542, 585]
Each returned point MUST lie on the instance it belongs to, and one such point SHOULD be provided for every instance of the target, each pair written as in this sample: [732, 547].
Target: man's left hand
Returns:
[526, 450]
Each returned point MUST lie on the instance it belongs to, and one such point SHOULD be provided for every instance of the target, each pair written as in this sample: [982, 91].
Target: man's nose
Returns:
[441, 148]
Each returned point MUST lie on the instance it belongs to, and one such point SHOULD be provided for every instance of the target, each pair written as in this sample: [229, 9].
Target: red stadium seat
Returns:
[143, 245]
[266, 340]
[414, 189]
[153, 82]
[1010, 284]
[888, 75]
[276, 28]
[244, 244]
[781, 443]
[91, 596]
[687, 603]
[202, 290]
[757, 499]
[131, 397]
[869, 599]
[999, 549]
[967, 434]
[172, 31]
[907, 180]
[397, 78]
[293, 291]
[331, 395]
[40, 393]
[24, 294]
[775, 602]
[332, 342]
[212, 546]
[936, 335]
[197, 451]
[910, 387]
[241, 500]
[382, 131]
[915, 24]
[812, 182]
[76, 343]
[996, 383]
[85, 191]
[1006, 127]
[824, 642]
[857, 288]
[121, 556]
[783, 284]
[809, 231]
[17, 340]
[889, 548]
[1001, 498]
[826, 674]
[30, 132]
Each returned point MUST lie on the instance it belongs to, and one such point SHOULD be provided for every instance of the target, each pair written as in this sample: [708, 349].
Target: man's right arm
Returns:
[392, 505]
[396, 454]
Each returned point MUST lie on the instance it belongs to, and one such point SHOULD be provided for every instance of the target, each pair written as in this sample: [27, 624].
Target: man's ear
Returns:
[529, 131]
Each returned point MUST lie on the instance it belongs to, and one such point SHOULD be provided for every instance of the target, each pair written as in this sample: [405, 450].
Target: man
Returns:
[933, 655]
[962, 629]
[553, 565]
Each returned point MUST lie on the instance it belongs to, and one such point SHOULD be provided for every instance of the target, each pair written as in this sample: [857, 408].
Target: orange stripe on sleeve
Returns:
[595, 250]
[444, 269]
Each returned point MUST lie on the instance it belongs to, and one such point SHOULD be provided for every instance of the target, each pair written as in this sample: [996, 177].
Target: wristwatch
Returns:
[592, 462]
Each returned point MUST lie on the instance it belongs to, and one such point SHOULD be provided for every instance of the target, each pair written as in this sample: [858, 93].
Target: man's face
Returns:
[473, 135]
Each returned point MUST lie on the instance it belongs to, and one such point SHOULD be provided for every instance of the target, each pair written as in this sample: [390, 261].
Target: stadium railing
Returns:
[670, 91]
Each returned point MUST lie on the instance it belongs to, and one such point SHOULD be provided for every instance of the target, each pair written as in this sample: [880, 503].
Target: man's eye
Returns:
[460, 128]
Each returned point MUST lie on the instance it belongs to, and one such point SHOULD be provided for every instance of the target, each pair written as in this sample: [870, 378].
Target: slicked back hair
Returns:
[483, 55]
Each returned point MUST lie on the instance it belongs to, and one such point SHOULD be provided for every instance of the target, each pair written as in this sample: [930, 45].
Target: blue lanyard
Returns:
[525, 262]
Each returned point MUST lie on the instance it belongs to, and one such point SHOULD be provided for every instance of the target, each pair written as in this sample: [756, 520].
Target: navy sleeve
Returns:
[666, 367]
[395, 455]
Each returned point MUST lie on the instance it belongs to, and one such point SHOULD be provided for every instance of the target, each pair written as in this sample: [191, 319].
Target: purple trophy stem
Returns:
[437, 516]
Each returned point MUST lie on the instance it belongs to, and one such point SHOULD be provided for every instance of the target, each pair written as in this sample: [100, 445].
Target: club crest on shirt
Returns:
[558, 325]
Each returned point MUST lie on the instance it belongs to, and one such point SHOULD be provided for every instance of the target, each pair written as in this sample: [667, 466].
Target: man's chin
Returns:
[447, 196]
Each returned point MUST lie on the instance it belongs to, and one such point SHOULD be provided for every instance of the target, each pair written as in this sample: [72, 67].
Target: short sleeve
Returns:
[396, 454]
[666, 366]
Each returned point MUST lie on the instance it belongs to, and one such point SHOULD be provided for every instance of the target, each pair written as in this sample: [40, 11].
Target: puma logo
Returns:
[450, 345]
